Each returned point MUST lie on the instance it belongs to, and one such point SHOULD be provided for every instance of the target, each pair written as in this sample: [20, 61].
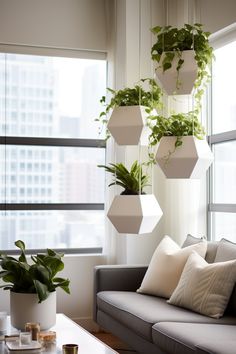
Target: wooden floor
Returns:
[114, 342]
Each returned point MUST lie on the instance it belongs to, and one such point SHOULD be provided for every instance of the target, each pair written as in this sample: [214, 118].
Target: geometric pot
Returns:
[134, 214]
[189, 160]
[182, 84]
[127, 125]
[25, 308]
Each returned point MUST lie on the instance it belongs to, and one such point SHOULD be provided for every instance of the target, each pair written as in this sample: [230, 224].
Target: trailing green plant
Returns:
[38, 277]
[173, 41]
[135, 96]
[178, 125]
[132, 181]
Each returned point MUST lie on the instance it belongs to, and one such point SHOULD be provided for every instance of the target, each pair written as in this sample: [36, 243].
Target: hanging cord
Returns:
[5, 133]
[115, 83]
[153, 75]
[139, 75]
[193, 95]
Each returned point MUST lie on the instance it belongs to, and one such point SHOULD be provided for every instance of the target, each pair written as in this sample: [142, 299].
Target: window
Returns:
[222, 182]
[51, 191]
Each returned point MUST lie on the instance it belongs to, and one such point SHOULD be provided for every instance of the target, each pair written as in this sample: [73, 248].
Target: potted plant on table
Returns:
[183, 56]
[133, 211]
[33, 286]
[183, 151]
[130, 108]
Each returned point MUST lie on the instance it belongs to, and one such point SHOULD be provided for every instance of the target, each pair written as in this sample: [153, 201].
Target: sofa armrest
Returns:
[117, 277]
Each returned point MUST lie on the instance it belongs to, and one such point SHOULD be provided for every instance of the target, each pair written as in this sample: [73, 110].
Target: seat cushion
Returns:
[217, 347]
[176, 338]
[140, 312]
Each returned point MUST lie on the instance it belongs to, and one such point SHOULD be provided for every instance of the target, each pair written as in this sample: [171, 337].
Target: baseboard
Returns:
[87, 323]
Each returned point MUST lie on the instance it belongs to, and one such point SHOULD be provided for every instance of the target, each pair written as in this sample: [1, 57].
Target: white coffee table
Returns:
[70, 332]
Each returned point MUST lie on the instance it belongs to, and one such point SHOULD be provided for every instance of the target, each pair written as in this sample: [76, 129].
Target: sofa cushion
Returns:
[211, 246]
[227, 251]
[205, 288]
[176, 338]
[218, 346]
[166, 266]
[140, 312]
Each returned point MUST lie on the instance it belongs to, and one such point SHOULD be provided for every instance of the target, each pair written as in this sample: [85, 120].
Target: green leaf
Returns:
[41, 290]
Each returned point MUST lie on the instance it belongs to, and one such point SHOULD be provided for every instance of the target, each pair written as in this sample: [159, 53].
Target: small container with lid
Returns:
[34, 328]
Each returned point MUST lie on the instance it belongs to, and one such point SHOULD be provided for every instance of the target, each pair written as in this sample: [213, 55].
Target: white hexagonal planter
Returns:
[134, 214]
[190, 160]
[187, 75]
[127, 125]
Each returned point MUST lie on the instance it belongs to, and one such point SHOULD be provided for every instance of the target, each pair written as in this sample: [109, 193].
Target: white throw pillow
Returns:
[166, 266]
[205, 288]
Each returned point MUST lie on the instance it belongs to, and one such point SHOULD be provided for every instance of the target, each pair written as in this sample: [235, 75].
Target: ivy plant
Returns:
[173, 41]
[132, 181]
[178, 125]
[39, 277]
[135, 96]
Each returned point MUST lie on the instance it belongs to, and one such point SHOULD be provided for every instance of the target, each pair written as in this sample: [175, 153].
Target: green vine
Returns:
[179, 125]
[173, 41]
[135, 96]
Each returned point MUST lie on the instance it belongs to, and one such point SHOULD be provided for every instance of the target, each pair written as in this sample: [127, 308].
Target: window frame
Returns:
[54, 142]
[218, 40]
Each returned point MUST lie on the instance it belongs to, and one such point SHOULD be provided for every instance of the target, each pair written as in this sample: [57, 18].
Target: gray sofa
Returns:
[152, 326]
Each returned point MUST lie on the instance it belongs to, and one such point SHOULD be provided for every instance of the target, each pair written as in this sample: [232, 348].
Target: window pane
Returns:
[50, 96]
[223, 89]
[2, 174]
[224, 173]
[224, 225]
[52, 229]
[53, 175]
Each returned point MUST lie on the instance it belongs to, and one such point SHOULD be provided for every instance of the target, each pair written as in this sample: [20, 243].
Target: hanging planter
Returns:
[183, 57]
[128, 126]
[190, 160]
[182, 151]
[134, 214]
[130, 108]
[133, 211]
[180, 81]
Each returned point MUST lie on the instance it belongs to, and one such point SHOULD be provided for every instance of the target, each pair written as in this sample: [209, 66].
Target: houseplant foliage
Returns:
[132, 181]
[173, 41]
[179, 125]
[150, 99]
[38, 277]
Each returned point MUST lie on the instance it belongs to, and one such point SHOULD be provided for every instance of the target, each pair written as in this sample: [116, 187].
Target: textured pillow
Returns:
[203, 287]
[226, 252]
[211, 246]
[192, 240]
[166, 266]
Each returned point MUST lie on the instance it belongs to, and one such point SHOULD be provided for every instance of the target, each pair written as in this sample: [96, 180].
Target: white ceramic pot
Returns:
[128, 126]
[186, 78]
[134, 214]
[190, 160]
[25, 308]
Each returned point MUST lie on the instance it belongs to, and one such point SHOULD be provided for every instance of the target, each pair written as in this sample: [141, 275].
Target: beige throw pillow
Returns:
[205, 288]
[166, 266]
